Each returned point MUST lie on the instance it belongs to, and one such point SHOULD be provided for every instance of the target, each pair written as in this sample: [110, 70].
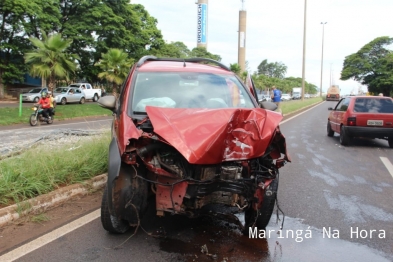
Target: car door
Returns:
[333, 117]
[71, 95]
[78, 95]
[340, 111]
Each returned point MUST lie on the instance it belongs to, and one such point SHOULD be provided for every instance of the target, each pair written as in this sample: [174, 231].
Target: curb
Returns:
[43, 202]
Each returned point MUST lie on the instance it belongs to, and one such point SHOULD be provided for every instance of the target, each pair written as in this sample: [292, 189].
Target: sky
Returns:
[275, 32]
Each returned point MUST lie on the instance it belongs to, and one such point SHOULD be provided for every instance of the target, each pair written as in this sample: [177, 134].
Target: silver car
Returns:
[33, 95]
[64, 95]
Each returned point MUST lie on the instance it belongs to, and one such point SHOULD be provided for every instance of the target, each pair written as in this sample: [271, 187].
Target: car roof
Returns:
[178, 66]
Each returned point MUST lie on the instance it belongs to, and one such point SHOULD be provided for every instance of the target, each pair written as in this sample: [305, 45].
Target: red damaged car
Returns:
[189, 133]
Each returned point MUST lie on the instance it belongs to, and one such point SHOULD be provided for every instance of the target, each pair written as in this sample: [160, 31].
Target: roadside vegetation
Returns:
[38, 170]
[294, 105]
[10, 115]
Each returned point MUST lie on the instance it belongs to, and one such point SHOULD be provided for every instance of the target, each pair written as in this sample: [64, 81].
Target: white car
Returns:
[286, 97]
[33, 95]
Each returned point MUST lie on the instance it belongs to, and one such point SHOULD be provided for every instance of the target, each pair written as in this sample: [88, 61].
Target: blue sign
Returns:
[202, 24]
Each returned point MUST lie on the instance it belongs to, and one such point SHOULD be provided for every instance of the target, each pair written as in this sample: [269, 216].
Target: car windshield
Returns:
[61, 90]
[373, 105]
[35, 90]
[74, 85]
[188, 90]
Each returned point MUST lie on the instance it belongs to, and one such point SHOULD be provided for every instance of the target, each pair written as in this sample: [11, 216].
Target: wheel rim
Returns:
[63, 101]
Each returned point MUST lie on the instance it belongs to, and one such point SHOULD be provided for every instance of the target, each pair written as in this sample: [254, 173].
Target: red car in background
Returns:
[362, 116]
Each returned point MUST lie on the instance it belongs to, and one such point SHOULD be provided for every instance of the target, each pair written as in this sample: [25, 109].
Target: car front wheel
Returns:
[344, 138]
[330, 132]
[110, 222]
[260, 219]
[63, 101]
[82, 101]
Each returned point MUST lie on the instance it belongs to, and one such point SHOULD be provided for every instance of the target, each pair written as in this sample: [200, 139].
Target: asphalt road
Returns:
[336, 200]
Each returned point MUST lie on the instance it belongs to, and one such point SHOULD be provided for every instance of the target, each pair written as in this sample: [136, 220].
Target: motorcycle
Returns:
[37, 116]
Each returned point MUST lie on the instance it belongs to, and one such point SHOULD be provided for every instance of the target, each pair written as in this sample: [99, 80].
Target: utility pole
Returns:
[304, 49]
[323, 32]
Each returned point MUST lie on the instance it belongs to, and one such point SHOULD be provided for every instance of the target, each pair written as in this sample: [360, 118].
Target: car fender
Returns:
[114, 163]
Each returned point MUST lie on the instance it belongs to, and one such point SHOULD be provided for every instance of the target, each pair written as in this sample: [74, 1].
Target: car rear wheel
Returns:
[110, 222]
[390, 141]
[261, 218]
[344, 138]
[330, 132]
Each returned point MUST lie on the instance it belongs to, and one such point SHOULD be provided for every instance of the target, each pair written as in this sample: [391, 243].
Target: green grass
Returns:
[39, 170]
[10, 115]
[294, 105]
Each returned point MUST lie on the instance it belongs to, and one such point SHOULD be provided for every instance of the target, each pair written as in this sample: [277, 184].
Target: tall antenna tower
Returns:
[241, 59]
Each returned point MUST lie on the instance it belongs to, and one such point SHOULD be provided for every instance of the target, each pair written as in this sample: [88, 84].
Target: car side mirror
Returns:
[330, 108]
[108, 102]
[268, 105]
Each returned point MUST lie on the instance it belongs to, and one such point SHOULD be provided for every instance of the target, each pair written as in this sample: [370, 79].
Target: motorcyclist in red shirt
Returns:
[45, 104]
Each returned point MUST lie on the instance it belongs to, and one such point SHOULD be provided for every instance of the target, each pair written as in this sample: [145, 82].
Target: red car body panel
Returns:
[211, 136]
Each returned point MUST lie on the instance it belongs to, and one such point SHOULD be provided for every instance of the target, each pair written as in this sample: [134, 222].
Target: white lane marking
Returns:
[56, 125]
[282, 122]
[45, 239]
[387, 164]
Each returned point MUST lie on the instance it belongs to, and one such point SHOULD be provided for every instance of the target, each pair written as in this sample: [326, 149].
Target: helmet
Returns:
[43, 94]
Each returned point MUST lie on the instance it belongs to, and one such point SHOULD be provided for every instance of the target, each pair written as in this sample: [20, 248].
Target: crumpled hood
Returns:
[211, 136]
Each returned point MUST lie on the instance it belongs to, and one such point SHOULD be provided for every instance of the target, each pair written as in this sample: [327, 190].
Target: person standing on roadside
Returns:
[276, 96]
[52, 105]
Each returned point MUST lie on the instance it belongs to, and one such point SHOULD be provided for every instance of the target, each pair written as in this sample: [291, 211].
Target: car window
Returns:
[339, 104]
[345, 104]
[373, 105]
[35, 90]
[78, 91]
[188, 90]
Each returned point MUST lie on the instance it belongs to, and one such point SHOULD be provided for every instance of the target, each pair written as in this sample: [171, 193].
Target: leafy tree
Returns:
[235, 68]
[18, 21]
[372, 65]
[49, 60]
[115, 66]
[276, 69]
[173, 49]
[202, 52]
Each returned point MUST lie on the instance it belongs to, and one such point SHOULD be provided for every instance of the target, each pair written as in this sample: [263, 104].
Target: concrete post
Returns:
[241, 60]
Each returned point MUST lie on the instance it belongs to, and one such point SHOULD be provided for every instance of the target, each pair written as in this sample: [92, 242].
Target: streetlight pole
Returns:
[304, 49]
[323, 33]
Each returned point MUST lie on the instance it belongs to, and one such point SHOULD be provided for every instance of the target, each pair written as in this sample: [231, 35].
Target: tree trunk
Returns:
[2, 93]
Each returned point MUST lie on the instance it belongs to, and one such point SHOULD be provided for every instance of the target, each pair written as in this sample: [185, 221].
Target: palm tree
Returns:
[49, 60]
[115, 65]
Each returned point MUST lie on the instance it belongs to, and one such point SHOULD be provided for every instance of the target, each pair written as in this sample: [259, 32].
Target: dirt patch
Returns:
[39, 224]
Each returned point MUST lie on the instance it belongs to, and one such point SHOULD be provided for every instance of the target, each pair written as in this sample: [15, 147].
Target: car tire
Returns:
[36, 99]
[63, 101]
[82, 101]
[344, 138]
[33, 120]
[261, 220]
[95, 98]
[330, 132]
[390, 141]
[111, 223]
